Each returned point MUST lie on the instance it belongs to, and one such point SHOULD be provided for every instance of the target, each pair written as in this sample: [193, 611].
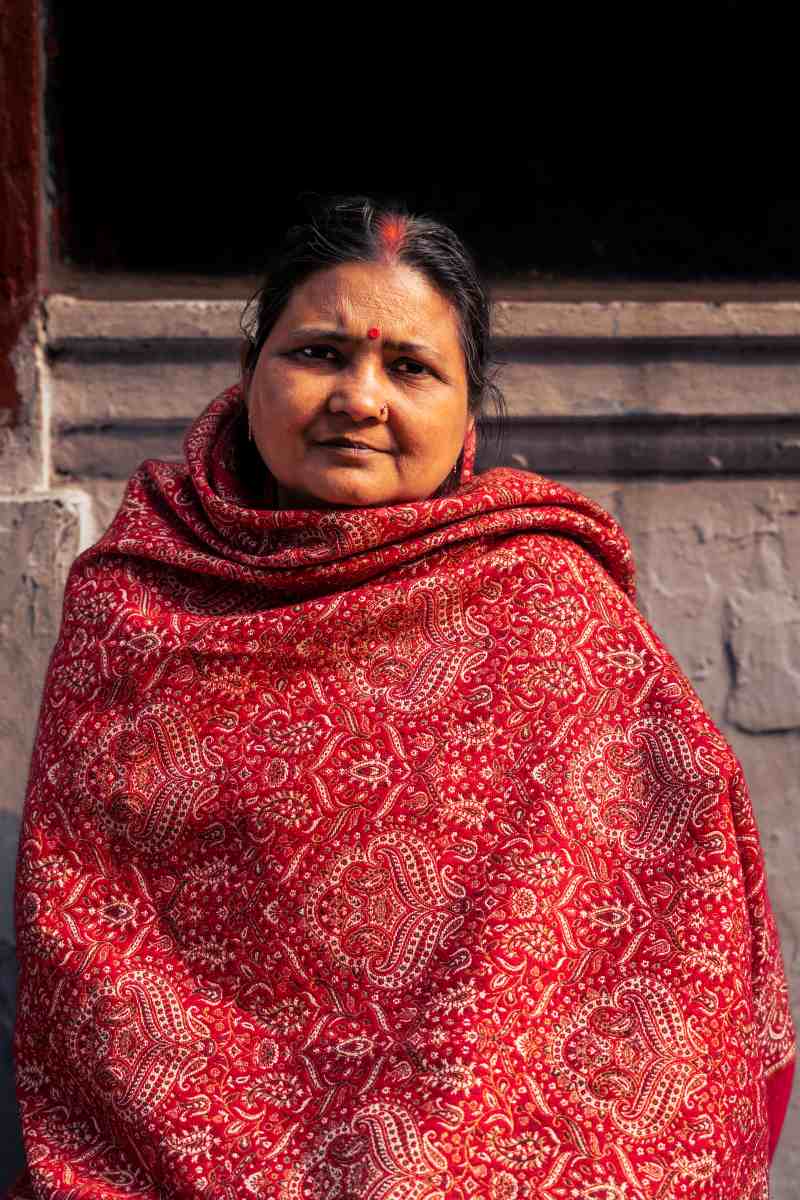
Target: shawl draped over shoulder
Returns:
[384, 854]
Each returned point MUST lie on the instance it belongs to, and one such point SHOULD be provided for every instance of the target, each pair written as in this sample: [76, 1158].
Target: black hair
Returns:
[343, 229]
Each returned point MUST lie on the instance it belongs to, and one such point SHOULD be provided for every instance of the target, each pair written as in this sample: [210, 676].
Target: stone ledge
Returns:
[70, 320]
[672, 320]
[73, 320]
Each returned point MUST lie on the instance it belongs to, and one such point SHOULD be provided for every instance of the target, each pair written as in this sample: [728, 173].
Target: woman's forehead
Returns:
[356, 297]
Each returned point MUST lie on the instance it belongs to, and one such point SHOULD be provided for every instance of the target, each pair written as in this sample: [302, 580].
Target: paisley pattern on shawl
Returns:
[383, 854]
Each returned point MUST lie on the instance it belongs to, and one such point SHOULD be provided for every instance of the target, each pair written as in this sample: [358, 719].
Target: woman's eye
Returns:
[317, 353]
[409, 366]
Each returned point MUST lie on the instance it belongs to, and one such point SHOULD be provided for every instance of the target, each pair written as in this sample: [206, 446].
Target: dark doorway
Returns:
[171, 154]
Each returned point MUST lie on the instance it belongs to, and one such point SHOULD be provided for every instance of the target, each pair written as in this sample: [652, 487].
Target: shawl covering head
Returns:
[384, 854]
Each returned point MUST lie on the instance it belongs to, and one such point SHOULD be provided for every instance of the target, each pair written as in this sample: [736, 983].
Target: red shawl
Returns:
[384, 854]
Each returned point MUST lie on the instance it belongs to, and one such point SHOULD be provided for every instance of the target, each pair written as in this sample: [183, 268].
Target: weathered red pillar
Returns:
[20, 185]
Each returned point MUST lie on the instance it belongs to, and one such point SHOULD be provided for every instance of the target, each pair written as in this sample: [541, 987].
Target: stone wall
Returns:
[683, 420]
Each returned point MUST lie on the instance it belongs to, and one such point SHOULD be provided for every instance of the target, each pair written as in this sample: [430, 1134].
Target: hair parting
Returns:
[391, 228]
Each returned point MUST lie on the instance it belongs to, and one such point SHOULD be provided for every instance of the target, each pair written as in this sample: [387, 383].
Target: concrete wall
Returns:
[682, 419]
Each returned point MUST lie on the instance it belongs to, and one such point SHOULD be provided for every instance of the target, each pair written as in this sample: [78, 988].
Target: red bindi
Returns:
[374, 332]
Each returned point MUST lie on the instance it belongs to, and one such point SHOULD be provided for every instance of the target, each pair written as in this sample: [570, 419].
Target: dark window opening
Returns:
[167, 161]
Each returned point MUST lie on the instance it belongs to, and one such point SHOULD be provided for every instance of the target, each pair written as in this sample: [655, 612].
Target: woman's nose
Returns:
[358, 391]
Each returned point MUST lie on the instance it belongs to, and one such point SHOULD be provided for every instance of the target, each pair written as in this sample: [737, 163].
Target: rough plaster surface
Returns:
[99, 390]
[39, 537]
[23, 441]
[596, 382]
[104, 498]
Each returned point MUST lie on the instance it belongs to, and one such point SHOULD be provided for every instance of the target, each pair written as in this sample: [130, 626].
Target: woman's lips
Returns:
[351, 448]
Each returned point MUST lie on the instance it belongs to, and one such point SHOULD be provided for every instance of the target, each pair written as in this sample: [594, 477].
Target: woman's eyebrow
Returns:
[337, 335]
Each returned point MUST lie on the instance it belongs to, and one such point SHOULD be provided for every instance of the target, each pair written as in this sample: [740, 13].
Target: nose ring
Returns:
[384, 412]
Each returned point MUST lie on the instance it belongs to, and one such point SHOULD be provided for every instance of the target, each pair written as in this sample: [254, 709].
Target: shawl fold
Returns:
[384, 854]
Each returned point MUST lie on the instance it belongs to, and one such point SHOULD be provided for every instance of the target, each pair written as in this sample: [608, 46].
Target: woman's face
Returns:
[359, 395]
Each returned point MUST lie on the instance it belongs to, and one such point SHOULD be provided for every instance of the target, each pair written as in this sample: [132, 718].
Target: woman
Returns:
[375, 847]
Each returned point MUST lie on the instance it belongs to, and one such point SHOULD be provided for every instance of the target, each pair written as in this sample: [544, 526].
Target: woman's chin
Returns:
[349, 489]
[357, 497]
[335, 494]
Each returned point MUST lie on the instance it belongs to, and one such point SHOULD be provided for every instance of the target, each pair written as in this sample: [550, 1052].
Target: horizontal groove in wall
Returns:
[572, 351]
[618, 446]
[146, 350]
[128, 427]
[651, 444]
